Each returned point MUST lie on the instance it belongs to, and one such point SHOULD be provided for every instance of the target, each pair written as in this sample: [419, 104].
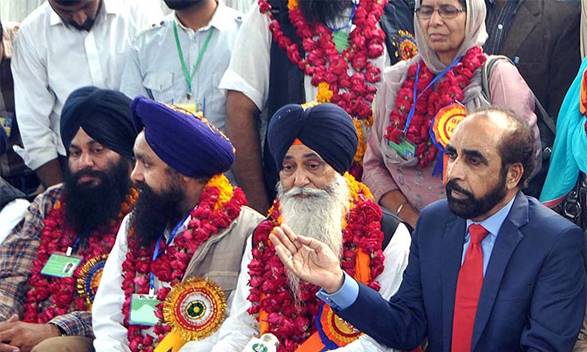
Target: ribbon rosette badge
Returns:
[446, 121]
[195, 308]
[89, 278]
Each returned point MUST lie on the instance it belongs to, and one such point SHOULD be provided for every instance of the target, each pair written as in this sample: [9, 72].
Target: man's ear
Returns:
[514, 175]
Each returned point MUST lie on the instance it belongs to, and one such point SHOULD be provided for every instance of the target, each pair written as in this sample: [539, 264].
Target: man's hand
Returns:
[16, 335]
[310, 259]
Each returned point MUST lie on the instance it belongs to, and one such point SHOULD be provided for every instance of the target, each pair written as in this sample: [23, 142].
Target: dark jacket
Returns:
[533, 294]
[543, 40]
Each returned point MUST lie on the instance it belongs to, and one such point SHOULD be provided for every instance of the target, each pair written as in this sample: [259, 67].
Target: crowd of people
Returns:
[349, 175]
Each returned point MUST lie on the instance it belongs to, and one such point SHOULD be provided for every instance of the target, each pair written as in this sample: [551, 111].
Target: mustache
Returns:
[453, 186]
[306, 192]
[89, 172]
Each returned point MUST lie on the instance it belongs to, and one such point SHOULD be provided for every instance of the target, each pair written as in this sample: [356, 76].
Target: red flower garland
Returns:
[292, 324]
[354, 93]
[449, 90]
[212, 215]
[57, 236]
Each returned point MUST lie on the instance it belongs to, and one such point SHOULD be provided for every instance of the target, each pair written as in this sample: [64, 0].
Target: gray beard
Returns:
[318, 214]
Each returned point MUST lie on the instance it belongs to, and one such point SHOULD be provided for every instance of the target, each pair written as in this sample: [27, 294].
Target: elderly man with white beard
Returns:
[314, 148]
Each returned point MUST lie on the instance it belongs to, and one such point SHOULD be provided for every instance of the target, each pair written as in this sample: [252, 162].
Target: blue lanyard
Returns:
[415, 91]
[350, 22]
[156, 251]
[73, 247]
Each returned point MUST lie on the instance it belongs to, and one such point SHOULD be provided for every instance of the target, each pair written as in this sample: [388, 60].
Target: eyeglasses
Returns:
[444, 11]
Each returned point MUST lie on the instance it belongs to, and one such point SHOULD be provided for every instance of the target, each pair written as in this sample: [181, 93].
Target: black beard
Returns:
[324, 11]
[153, 212]
[86, 26]
[89, 207]
[181, 4]
[471, 207]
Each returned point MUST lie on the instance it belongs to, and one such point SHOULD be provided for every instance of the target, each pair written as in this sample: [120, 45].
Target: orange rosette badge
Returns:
[445, 122]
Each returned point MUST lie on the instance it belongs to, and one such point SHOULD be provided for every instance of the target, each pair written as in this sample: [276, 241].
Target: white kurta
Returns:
[51, 59]
[107, 318]
[240, 326]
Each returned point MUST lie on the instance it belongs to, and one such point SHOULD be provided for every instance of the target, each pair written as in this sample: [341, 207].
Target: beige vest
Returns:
[219, 259]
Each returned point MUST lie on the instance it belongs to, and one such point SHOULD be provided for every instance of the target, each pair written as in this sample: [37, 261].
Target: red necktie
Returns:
[468, 290]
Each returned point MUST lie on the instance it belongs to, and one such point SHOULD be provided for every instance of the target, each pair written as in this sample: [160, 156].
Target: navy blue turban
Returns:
[187, 144]
[326, 129]
[104, 115]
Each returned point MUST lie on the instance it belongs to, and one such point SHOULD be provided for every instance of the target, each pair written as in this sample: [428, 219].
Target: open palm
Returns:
[310, 259]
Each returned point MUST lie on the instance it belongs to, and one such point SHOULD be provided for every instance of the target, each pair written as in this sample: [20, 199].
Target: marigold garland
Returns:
[219, 205]
[269, 293]
[449, 90]
[57, 236]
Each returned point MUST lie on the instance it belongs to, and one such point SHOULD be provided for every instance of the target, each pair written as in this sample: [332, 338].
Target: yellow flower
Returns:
[310, 104]
[356, 188]
[224, 187]
[292, 4]
[361, 146]
[324, 93]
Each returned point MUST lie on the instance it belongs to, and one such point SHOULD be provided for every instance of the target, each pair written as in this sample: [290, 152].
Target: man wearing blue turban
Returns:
[314, 148]
[176, 260]
[52, 260]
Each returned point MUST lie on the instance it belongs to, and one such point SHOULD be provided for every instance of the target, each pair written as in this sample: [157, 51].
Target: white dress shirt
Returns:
[51, 59]
[11, 215]
[241, 5]
[240, 326]
[154, 69]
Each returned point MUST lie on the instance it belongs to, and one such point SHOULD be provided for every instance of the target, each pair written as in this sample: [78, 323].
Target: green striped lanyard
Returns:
[189, 76]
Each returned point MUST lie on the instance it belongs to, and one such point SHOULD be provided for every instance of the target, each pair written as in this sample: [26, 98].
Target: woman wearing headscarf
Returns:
[404, 157]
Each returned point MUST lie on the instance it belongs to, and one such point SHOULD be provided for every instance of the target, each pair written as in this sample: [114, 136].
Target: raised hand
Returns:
[310, 259]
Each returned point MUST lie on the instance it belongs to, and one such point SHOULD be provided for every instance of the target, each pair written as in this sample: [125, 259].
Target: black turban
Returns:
[326, 129]
[104, 115]
[189, 145]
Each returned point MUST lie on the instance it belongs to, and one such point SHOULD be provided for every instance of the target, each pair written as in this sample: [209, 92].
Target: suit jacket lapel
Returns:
[452, 252]
[526, 18]
[506, 242]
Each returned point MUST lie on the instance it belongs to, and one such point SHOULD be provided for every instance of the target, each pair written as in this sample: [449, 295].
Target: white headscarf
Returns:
[475, 34]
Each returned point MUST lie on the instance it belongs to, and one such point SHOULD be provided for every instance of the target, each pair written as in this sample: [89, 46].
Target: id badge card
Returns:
[405, 149]
[61, 265]
[142, 309]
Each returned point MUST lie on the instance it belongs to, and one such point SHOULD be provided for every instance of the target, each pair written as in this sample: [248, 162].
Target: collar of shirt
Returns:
[110, 7]
[221, 20]
[493, 223]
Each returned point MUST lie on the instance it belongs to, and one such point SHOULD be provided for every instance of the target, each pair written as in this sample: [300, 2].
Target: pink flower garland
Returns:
[291, 323]
[354, 93]
[449, 90]
[57, 236]
[208, 218]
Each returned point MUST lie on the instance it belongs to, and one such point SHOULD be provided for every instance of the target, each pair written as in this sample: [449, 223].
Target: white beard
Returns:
[315, 213]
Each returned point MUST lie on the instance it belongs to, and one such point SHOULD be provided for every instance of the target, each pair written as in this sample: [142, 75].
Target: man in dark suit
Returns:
[490, 269]
[540, 37]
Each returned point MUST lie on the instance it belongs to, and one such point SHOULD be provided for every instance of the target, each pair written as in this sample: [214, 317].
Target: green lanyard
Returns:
[189, 76]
